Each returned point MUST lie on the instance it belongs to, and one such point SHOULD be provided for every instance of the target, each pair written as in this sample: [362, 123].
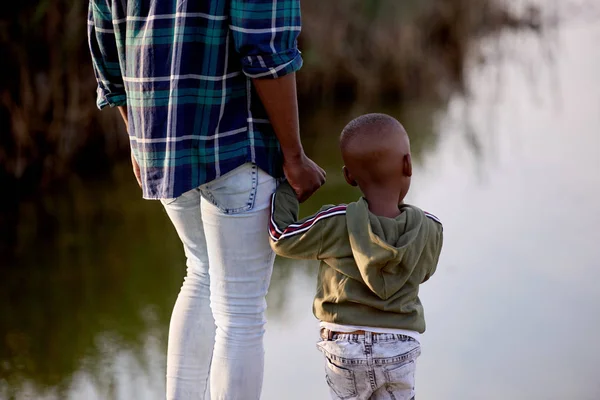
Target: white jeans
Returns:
[217, 326]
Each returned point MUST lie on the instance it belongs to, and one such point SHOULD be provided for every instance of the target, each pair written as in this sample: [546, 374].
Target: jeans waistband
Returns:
[361, 336]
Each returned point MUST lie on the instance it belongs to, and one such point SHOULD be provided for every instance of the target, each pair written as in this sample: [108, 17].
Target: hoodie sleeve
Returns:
[301, 239]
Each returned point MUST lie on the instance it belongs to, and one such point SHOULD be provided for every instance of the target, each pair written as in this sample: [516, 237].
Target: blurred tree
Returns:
[370, 50]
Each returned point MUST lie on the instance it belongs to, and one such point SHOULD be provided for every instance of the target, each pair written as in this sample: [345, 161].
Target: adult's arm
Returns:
[105, 61]
[279, 99]
[265, 35]
[134, 163]
[105, 58]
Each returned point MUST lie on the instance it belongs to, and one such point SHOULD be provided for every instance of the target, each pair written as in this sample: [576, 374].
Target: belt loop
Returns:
[326, 334]
[368, 338]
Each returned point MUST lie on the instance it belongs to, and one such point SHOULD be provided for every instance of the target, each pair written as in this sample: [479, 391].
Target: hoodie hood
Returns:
[387, 250]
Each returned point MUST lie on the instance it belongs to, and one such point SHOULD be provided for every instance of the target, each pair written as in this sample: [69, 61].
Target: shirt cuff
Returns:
[107, 98]
[274, 65]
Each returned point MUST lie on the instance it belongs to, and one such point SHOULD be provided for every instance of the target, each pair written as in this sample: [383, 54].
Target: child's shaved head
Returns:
[370, 125]
[376, 153]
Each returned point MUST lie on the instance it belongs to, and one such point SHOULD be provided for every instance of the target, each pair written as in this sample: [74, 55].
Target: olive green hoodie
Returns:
[371, 267]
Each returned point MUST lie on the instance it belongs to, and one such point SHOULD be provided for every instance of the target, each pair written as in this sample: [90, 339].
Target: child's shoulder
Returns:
[427, 214]
[432, 217]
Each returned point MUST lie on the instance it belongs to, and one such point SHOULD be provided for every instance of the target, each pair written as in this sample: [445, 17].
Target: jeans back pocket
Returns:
[235, 191]
[401, 378]
[340, 380]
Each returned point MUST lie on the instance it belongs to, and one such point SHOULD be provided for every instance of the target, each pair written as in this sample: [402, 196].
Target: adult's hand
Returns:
[134, 163]
[280, 101]
[303, 175]
[136, 170]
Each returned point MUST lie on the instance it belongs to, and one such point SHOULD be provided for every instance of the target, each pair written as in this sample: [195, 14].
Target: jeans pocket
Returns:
[340, 380]
[234, 192]
[186, 198]
[166, 202]
[402, 376]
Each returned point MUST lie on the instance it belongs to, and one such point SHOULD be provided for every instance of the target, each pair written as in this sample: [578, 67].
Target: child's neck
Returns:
[383, 204]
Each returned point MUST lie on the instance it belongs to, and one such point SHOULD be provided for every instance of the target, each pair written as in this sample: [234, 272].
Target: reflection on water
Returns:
[100, 281]
[86, 301]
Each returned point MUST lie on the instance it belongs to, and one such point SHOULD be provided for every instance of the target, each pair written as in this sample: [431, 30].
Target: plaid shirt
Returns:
[184, 70]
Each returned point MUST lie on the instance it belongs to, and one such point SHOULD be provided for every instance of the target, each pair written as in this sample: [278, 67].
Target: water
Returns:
[513, 171]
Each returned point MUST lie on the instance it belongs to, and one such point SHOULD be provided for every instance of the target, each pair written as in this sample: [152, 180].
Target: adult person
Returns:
[207, 90]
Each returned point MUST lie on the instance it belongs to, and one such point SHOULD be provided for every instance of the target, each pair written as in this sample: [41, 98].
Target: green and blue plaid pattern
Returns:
[184, 70]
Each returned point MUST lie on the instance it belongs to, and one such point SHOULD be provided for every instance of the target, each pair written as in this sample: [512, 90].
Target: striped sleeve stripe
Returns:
[277, 233]
[433, 217]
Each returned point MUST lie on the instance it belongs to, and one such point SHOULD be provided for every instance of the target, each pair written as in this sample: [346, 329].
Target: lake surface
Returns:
[513, 171]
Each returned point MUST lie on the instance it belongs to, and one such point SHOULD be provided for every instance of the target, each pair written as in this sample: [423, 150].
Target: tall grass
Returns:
[47, 111]
[353, 49]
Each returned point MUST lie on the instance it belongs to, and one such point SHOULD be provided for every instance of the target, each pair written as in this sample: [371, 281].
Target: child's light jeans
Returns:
[370, 366]
[217, 327]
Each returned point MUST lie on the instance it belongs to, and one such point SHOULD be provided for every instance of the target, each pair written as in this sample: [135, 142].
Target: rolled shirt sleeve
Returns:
[265, 33]
[105, 56]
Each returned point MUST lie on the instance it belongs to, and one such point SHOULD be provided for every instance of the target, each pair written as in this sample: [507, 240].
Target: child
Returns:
[374, 254]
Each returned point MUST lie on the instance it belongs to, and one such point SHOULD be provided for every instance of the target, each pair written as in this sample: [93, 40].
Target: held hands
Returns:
[303, 175]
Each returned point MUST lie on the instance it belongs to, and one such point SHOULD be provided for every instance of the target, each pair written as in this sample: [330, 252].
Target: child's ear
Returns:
[407, 165]
[348, 177]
